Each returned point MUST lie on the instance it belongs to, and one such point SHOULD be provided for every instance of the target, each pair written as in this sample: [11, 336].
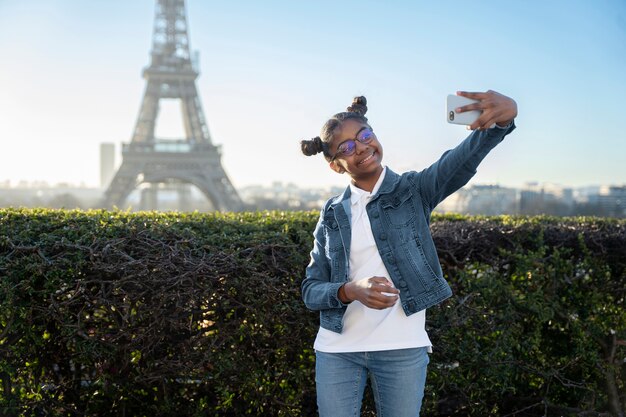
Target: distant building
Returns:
[43, 195]
[280, 196]
[546, 198]
[107, 163]
[482, 199]
[610, 201]
[491, 200]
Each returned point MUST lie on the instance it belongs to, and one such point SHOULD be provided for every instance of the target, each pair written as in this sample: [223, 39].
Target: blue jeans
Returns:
[397, 376]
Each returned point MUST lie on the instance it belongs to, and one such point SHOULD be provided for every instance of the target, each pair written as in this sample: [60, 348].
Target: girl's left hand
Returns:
[496, 108]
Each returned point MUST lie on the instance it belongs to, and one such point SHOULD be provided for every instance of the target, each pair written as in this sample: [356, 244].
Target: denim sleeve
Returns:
[318, 292]
[457, 166]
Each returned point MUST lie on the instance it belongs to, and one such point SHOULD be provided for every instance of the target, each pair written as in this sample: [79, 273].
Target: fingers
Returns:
[468, 107]
[373, 292]
[485, 121]
[485, 100]
[476, 95]
[380, 293]
[494, 107]
[382, 284]
[482, 124]
[379, 280]
[384, 288]
[375, 299]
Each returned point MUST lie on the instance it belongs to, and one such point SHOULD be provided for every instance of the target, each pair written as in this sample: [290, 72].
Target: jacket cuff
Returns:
[501, 132]
[495, 125]
[333, 295]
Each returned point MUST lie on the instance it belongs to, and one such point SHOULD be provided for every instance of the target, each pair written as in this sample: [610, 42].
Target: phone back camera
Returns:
[451, 116]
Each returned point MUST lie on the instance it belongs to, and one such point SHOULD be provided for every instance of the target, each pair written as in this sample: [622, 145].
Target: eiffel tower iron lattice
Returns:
[192, 160]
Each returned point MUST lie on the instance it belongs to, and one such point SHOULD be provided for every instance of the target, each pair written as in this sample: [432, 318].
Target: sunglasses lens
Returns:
[347, 148]
[366, 136]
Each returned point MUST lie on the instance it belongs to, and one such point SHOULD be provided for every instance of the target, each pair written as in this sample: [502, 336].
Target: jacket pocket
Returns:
[398, 209]
[331, 233]
[426, 278]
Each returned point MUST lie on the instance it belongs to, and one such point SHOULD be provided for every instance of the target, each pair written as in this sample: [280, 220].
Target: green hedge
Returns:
[144, 314]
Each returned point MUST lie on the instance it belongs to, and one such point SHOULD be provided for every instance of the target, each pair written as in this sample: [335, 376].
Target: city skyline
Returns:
[474, 199]
[271, 74]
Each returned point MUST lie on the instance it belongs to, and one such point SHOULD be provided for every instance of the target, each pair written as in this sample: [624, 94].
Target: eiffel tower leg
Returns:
[193, 116]
[184, 197]
[144, 129]
[149, 198]
[122, 184]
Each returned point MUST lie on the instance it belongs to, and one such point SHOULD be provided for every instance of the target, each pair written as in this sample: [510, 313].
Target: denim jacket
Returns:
[400, 216]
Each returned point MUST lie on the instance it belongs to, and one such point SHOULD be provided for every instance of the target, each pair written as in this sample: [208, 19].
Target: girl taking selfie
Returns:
[374, 268]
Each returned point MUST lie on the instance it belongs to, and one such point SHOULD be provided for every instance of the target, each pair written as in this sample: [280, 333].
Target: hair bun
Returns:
[358, 106]
[312, 147]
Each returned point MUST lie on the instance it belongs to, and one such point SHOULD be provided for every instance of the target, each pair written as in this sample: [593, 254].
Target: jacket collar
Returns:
[389, 184]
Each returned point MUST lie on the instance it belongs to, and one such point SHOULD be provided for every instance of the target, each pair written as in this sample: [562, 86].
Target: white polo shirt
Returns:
[366, 329]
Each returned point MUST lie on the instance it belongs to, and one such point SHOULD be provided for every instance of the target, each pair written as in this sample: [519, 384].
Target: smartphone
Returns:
[466, 118]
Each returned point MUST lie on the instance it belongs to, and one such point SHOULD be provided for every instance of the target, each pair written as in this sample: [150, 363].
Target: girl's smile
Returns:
[363, 163]
[368, 158]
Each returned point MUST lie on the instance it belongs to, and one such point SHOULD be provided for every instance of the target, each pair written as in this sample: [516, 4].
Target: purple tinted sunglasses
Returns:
[348, 147]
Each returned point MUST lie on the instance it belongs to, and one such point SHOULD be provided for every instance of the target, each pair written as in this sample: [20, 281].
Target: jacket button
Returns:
[375, 215]
[402, 283]
[383, 236]
[392, 260]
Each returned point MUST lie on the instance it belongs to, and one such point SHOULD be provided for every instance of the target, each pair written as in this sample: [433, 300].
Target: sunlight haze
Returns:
[272, 72]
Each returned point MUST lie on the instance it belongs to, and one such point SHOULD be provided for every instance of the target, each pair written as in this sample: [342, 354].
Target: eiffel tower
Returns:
[165, 163]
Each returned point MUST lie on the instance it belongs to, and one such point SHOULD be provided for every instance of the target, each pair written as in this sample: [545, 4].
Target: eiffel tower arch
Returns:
[193, 159]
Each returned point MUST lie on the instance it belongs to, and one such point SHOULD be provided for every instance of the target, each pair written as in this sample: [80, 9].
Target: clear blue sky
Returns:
[272, 72]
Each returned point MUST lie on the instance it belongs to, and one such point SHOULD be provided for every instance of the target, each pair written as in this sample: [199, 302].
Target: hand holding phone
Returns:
[485, 109]
[466, 118]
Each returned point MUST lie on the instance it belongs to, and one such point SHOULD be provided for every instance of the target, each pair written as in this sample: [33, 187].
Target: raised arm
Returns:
[457, 166]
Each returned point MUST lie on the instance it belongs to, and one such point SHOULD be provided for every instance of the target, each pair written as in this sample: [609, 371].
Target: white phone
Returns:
[465, 118]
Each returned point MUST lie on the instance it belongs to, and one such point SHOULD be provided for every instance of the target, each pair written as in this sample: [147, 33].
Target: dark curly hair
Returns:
[318, 144]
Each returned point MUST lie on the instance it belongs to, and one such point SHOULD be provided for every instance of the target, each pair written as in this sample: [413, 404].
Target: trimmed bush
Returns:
[145, 314]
